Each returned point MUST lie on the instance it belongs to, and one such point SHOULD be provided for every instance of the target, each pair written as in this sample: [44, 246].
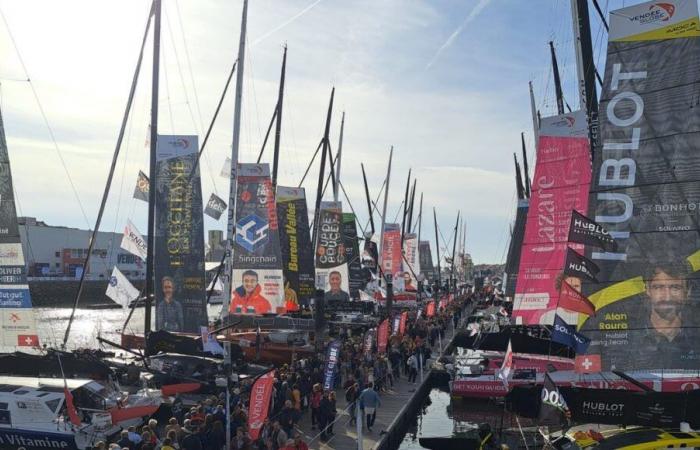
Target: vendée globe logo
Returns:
[658, 12]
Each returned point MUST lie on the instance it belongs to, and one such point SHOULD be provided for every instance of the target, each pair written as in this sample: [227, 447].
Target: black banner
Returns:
[583, 230]
[554, 409]
[141, 189]
[215, 207]
[357, 280]
[179, 245]
[426, 260]
[515, 247]
[579, 266]
[331, 259]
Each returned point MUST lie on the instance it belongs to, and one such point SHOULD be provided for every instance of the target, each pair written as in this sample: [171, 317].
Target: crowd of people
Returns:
[362, 376]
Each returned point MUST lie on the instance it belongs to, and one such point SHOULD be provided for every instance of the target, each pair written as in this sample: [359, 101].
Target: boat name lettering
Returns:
[17, 440]
[603, 407]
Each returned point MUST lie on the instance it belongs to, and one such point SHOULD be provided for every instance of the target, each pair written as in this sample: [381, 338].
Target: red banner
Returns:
[391, 249]
[402, 325]
[573, 300]
[430, 309]
[382, 336]
[260, 403]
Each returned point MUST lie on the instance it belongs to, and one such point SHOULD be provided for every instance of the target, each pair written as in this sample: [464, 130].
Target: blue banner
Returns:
[331, 362]
[567, 335]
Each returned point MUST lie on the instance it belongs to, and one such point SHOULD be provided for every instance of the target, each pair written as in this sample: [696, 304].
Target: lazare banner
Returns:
[646, 193]
[331, 260]
[257, 284]
[560, 185]
[17, 322]
[181, 303]
[295, 245]
[391, 250]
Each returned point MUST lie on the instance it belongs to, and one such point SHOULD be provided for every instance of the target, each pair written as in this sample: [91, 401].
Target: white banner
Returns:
[133, 242]
[120, 289]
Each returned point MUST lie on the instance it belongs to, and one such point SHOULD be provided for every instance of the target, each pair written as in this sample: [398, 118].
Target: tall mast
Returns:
[518, 179]
[278, 121]
[420, 217]
[437, 250]
[409, 228]
[324, 151]
[535, 117]
[454, 255]
[526, 170]
[338, 158]
[386, 200]
[557, 80]
[230, 224]
[151, 239]
[369, 200]
[405, 207]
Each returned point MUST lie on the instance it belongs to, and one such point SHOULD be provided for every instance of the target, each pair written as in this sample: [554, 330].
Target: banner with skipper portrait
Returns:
[331, 259]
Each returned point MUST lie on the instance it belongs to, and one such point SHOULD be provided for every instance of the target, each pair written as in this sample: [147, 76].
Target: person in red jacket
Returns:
[247, 298]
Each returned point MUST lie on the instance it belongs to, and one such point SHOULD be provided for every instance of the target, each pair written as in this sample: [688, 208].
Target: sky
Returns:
[443, 81]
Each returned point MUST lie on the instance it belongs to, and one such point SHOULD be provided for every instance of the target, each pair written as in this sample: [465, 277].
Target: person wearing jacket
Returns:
[247, 298]
[325, 413]
[369, 402]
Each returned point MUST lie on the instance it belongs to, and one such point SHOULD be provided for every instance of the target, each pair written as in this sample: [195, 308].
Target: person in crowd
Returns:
[352, 393]
[369, 402]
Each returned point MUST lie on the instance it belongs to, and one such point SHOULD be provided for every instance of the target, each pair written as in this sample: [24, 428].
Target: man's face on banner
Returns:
[574, 282]
[250, 282]
[168, 289]
[667, 295]
[334, 280]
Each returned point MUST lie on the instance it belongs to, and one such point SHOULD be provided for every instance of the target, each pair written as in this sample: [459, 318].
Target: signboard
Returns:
[331, 259]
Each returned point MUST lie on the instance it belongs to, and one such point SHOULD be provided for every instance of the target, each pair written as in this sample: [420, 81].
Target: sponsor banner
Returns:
[331, 260]
[391, 249]
[17, 326]
[515, 247]
[370, 256]
[11, 255]
[553, 409]
[257, 284]
[430, 309]
[396, 324]
[573, 300]
[133, 242]
[356, 280]
[259, 407]
[13, 438]
[585, 231]
[179, 237]
[579, 266]
[411, 262]
[332, 356]
[645, 192]
[402, 325]
[120, 289]
[567, 335]
[382, 336]
[560, 185]
[215, 207]
[425, 258]
[668, 19]
[142, 187]
[295, 246]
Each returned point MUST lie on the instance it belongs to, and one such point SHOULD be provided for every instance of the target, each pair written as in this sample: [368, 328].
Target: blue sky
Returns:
[456, 122]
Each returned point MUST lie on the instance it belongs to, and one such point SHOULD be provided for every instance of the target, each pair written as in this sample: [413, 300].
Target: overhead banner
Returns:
[425, 257]
[181, 303]
[257, 283]
[560, 185]
[331, 260]
[515, 247]
[18, 326]
[411, 262]
[141, 189]
[646, 192]
[215, 207]
[356, 280]
[295, 245]
[391, 250]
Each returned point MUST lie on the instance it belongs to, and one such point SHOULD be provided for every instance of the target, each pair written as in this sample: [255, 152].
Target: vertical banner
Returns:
[391, 249]
[646, 193]
[356, 280]
[257, 260]
[179, 237]
[560, 185]
[411, 262]
[18, 327]
[331, 261]
[382, 336]
[425, 257]
[402, 325]
[332, 355]
[295, 245]
[396, 325]
[369, 340]
[515, 247]
[260, 403]
[430, 309]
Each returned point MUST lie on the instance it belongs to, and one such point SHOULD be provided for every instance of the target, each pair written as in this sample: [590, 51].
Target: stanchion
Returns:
[359, 418]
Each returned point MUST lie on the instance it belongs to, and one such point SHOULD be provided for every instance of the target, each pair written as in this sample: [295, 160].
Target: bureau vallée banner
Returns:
[560, 185]
[331, 260]
[646, 193]
[257, 278]
[295, 246]
[179, 237]
[17, 322]
[391, 250]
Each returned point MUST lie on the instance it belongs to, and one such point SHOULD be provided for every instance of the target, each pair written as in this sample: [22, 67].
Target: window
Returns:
[21, 392]
[5, 417]
[58, 265]
[53, 404]
[3, 405]
[58, 254]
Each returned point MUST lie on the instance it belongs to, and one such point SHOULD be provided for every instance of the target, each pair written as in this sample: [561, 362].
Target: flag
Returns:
[27, 340]
[382, 336]
[133, 242]
[209, 343]
[226, 170]
[573, 300]
[430, 309]
[473, 328]
[587, 364]
[585, 231]
[331, 362]
[503, 311]
[579, 266]
[215, 207]
[567, 335]
[504, 372]
[553, 409]
[120, 289]
[402, 325]
[142, 186]
[396, 325]
[72, 412]
[260, 403]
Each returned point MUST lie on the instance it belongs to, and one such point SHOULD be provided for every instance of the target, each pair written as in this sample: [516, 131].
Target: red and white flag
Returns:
[587, 364]
[573, 300]
[260, 403]
[72, 412]
[27, 340]
[507, 367]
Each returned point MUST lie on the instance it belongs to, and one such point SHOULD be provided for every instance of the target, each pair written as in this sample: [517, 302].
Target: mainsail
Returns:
[646, 192]
[16, 313]
[357, 279]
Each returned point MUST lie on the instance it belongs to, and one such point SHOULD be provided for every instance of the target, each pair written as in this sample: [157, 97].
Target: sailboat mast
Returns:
[151, 238]
[420, 218]
[437, 251]
[454, 255]
[526, 170]
[230, 224]
[535, 116]
[338, 159]
[405, 207]
[369, 200]
[278, 121]
[557, 80]
[386, 200]
[321, 172]
[409, 228]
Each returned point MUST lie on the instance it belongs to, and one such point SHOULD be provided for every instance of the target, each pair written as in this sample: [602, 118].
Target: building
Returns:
[216, 246]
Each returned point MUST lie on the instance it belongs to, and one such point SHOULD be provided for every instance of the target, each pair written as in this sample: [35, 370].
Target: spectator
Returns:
[369, 402]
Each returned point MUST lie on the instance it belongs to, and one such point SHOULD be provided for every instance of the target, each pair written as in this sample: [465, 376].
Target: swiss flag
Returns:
[587, 364]
[27, 340]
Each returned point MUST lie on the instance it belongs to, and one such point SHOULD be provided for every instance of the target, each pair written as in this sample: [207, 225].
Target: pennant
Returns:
[209, 343]
[579, 266]
[583, 230]
[506, 368]
[215, 207]
[141, 189]
[567, 335]
[72, 412]
[332, 356]
[382, 336]
[573, 300]
[587, 364]
[133, 242]
[120, 289]
[553, 409]
[260, 403]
